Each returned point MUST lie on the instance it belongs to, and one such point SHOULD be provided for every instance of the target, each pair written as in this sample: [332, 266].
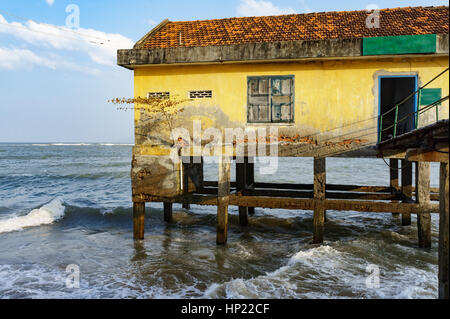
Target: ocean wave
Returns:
[340, 274]
[45, 215]
[283, 282]
[41, 281]
[63, 144]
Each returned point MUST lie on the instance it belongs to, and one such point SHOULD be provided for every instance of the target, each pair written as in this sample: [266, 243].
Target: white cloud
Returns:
[18, 58]
[260, 8]
[13, 58]
[306, 8]
[101, 47]
[50, 2]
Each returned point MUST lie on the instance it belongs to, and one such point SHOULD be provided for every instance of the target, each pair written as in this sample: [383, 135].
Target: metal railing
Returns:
[416, 113]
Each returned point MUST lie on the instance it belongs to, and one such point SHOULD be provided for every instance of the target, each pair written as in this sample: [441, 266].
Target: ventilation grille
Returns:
[159, 95]
[200, 94]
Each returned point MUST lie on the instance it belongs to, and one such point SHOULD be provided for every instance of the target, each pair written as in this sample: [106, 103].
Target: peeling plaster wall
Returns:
[328, 94]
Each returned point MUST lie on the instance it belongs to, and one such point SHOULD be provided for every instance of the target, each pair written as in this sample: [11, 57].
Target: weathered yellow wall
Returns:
[328, 94]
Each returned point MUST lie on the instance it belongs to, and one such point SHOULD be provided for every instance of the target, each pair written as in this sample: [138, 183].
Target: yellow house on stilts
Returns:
[329, 84]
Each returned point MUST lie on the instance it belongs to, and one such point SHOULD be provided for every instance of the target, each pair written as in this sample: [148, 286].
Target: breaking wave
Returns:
[45, 215]
[341, 275]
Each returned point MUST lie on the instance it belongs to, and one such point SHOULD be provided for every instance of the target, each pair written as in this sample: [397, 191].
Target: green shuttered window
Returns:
[270, 99]
[429, 96]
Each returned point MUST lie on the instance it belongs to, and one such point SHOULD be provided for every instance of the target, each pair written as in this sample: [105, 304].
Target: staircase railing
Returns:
[419, 111]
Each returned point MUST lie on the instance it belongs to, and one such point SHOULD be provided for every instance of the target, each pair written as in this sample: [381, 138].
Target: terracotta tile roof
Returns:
[293, 27]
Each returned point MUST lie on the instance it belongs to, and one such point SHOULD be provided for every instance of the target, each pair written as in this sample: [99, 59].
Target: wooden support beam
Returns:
[406, 189]
[393, 177]
[138, 220]
[223, 199]
[241, 183]
[393, 174]
[185, 174]
[341, 205]
[305, 204]
[168, 212]
[329, 187]
[201, 172]
[423, 198]
[250, 179]
[421, 155]
[443, 232]
[319, 195]
[329, 195]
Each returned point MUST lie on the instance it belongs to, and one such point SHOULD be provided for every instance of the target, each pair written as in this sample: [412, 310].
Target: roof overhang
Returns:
[256, 52]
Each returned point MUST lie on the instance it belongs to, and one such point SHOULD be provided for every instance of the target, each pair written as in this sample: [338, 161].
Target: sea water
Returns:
[70, 204]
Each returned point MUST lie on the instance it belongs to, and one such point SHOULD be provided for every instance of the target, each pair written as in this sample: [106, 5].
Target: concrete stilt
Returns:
[423, 197]
[223, 199]
[443, 232]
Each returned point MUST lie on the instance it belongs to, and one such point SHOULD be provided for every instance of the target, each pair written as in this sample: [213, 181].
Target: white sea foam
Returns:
[283, 282]
[38, 281]
[45, 215]
[341, 275]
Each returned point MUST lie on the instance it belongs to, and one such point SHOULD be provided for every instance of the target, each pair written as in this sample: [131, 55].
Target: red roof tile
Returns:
[294, 27]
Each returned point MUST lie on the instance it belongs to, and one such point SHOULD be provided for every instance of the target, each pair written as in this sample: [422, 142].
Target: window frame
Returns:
[271, 78]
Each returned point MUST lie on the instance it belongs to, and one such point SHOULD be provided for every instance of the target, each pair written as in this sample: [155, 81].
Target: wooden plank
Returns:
[444, 232]
[223, 200]
[319, 194]
[423, 197]
[406, 189]
[304, 204]
[138, 220]
[339, 205]
[330, 187]
[329, 195]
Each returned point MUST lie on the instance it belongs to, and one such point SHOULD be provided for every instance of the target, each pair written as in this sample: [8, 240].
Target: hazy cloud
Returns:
[101, 47]
[261, 8]
[13, 58]
[305, 6]
[152, 22]
[50, 2]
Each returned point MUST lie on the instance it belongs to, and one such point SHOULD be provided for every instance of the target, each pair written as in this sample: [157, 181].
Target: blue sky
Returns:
[56, 78]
